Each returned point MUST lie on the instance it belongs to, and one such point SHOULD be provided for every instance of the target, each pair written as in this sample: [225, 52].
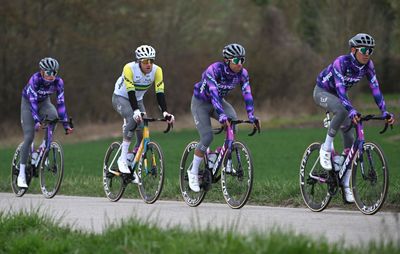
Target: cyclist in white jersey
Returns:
[127, 99]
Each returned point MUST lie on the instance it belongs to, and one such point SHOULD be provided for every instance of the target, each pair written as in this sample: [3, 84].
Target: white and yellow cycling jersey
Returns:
[133, 79]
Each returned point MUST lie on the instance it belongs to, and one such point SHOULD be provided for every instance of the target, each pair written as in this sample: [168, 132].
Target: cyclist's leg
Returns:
[123, 107]
[47, 109]
[139, 129]
[333, 104]
[201, 114]
[28, 127]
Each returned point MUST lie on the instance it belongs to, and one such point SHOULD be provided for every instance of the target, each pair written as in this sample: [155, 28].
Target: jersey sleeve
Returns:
[33, 98]
[216, 100]
[127, 73]
[247, 96]
[61, 109]
[338, 75]
[158, 80]
[374, 86]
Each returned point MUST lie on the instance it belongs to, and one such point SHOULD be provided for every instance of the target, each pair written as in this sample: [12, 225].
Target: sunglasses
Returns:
[366, 50]
[147, 61]
[50, 73]
[238, 60]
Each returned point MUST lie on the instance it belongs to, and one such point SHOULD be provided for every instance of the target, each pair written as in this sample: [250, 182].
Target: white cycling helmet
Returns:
[49, 64]
[233, 50]
[362, 40]
[145, 52]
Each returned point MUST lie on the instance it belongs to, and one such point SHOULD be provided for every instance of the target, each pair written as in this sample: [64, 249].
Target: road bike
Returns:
[236, 178]
[369, 172]
[45, 162]
[149, 161]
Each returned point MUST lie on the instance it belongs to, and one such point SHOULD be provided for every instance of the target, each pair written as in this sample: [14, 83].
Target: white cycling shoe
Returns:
[193, 181]
[123, 166]
[21, 181]
[348, 194]
[325, 159]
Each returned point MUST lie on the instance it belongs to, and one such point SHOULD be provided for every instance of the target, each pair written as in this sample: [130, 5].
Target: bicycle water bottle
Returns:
[211, 158]
[129, 157]
[338, 161]
[34, 157]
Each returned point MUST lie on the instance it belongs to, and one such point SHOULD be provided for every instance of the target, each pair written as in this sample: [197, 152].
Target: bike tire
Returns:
[190, 197]
[151, 178]
[19, 192]
[237, 184]
[370, 187]
[113, 193]
[314, 192]
[51, 170]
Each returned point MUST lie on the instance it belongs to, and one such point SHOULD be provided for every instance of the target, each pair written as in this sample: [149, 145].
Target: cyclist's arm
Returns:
[340, 85]
[130, 86]
[247, 96]
[374, 85]
[159, 86]
[216, 100]
[61, 110]
[33, 99]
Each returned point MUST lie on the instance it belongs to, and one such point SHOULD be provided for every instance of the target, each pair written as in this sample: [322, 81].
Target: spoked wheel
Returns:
[51, 170]
[237, 175]
[314, 180]
[370, 179]
[191, 198]
[151, 173]
[114, 186]
[19, 192]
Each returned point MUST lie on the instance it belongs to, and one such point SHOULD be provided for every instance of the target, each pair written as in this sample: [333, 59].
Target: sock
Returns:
[328, 144]
[346, 179]
[124, 151]
[22, 169]
[196, 163]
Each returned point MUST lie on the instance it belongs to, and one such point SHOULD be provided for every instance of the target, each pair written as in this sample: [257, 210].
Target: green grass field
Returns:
[276, 154]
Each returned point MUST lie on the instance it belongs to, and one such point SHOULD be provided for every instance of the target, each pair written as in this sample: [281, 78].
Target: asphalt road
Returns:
[96, 214]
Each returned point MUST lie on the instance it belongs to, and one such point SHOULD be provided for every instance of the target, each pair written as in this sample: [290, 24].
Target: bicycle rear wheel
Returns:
[19, 192]
[151, 173]
[370, 179]
[51, 170]
[191, 198]
[313, 180]
[238, 182]
[114, 186]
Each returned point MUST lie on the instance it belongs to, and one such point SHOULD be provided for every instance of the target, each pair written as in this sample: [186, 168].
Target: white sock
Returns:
[124, 150]
[346, 179]
[196, 163]
[22, 169]
[328, 144]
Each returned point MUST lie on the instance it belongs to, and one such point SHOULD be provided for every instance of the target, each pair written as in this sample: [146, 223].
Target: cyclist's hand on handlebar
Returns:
[223, 119]
[389, 117]
[169, 117]
[137, 116]
[38, 125]
[354, 116]
[69, 130]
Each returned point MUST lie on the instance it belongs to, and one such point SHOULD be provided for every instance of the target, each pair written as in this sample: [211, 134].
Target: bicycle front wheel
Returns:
[51, 170]
[191, 198]
[151, 173]
[370, 179]
[114, 186]
[314, 180]
[19, 192]
[237, 175]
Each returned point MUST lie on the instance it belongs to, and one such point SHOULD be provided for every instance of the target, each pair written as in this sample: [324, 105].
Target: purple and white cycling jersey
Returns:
[39, 89]
[217, 81]
[345, 72]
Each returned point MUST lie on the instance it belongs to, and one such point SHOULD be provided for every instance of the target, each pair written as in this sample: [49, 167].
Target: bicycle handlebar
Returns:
[149, 119]
[255, 128]
[373, 117]
[47, 121]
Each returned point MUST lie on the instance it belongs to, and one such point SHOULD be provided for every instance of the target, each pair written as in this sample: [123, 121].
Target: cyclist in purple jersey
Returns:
[36, 104]
[208, 101]
[331, 94]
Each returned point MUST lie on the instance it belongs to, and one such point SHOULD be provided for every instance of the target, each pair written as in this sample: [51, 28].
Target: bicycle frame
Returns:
[142, 147]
